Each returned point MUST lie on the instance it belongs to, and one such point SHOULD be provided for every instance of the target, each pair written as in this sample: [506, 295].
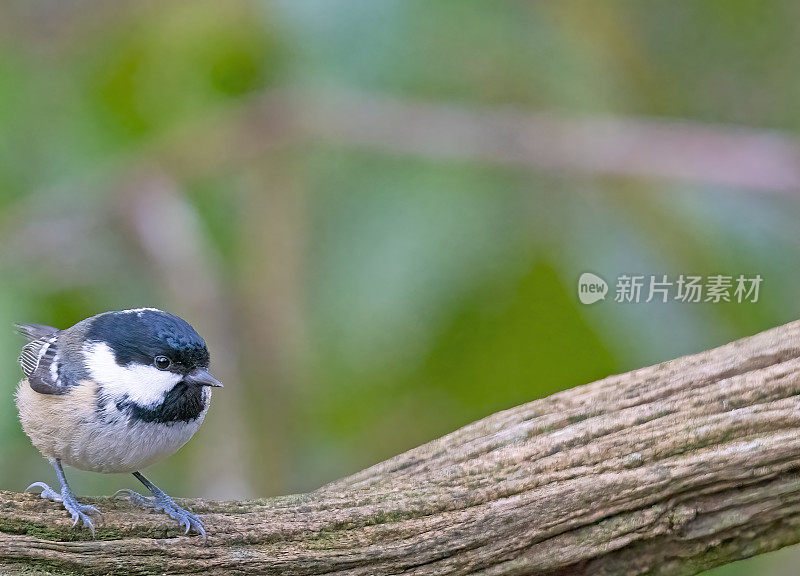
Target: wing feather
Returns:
[39, 359]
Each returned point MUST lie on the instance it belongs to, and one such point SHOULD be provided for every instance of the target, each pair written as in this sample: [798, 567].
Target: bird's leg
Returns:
[79, 512]
[163, 503]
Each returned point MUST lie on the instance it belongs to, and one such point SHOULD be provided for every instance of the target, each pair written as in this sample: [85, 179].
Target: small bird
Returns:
[114, 393]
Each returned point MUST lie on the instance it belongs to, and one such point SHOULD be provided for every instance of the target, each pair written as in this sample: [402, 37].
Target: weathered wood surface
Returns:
[666, 470]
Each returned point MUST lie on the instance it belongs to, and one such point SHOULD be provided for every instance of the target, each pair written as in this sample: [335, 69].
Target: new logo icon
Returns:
[591, 288]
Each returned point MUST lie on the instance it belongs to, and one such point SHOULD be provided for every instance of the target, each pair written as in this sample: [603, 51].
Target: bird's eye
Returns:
[162, 362]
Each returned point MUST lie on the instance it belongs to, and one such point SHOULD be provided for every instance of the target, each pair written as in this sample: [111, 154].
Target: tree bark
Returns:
[667, 470]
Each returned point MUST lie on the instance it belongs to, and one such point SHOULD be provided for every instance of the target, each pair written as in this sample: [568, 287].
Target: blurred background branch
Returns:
[694, 153]
[649, 148]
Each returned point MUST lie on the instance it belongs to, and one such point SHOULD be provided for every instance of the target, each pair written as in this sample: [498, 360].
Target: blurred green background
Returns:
[300, 181]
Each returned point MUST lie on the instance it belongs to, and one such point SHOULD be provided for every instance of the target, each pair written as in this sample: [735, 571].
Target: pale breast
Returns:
[82, 434]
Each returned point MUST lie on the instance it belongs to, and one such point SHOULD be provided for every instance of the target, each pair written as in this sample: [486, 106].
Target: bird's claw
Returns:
[79, 512]
[47, 493]
[133, 497]
[163, 503]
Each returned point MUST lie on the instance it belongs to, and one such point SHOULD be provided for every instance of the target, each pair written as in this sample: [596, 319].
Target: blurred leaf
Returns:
[166, 69]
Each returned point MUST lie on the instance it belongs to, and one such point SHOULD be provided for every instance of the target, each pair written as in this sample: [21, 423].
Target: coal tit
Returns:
[114, 393]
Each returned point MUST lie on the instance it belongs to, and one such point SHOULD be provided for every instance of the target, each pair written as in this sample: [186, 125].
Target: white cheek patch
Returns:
[146, 385]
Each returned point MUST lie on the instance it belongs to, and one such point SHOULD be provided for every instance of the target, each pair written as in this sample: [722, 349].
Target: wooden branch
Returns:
[667, 470]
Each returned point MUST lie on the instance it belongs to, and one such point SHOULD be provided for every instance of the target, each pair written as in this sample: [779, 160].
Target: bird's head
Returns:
[146, 356]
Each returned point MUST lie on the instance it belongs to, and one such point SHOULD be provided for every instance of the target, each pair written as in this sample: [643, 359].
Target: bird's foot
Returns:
[79, 512]
[160, 502]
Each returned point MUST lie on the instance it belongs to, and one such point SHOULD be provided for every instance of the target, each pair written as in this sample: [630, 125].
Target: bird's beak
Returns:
[202, 377]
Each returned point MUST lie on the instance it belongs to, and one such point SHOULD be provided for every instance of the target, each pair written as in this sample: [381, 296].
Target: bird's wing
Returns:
[39, 359]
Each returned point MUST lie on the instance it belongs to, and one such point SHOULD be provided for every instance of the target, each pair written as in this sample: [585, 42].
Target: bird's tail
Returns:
[33, 332]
